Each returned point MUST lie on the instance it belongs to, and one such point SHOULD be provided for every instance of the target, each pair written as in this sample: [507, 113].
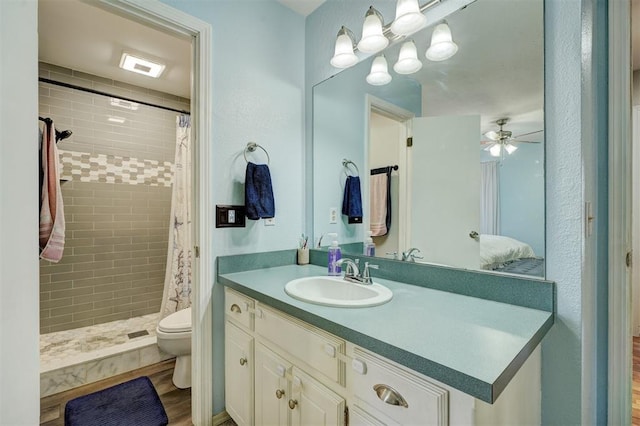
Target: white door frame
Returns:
[404, 117]
[620, 347]
[166, 17]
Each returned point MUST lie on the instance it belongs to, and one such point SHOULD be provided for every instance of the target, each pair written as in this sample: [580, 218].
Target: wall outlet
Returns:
[333, 215]
[270, 221]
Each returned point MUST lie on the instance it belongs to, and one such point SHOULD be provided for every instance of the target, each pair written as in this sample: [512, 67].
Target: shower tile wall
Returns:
[117, 201]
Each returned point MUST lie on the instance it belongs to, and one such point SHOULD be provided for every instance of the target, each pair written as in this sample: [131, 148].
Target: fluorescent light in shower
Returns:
[121, 103]
[118, 120]
[141, 66]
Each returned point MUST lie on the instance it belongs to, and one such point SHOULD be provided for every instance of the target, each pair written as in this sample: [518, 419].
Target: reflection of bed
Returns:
[504, 254]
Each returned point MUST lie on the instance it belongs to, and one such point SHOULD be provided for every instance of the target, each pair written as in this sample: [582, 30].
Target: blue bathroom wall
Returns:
[258, 95]
[339, 132]
[521, 180]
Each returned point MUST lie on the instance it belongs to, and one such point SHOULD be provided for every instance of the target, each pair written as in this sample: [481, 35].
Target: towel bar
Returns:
[346, 164]
[251, 147]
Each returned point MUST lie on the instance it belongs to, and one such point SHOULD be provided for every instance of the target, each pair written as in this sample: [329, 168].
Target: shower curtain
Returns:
[489, 198]
[177, 284]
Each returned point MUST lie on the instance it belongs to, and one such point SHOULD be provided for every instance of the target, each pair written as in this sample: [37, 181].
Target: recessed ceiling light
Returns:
[141, 66]
[121, 103]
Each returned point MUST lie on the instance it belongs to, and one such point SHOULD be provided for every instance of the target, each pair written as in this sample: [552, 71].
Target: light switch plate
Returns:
[333, 215]
[230, 216]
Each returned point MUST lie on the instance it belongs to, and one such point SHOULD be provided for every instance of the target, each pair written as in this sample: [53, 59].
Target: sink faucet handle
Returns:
[366, 276]
[393, 253]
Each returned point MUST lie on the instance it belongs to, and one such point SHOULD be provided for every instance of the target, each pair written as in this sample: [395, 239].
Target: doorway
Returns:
[179, 24]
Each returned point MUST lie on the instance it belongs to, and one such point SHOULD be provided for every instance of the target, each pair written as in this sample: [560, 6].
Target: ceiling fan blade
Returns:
[487, 142]
[530, 133]
[518, 141]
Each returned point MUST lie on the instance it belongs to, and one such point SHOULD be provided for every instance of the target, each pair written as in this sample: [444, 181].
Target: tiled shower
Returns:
[116, 173]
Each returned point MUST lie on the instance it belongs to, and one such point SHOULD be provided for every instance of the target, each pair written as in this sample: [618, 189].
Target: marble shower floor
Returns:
[69, 347]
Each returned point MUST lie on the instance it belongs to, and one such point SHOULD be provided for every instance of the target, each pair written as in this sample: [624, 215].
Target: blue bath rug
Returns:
[135, 402]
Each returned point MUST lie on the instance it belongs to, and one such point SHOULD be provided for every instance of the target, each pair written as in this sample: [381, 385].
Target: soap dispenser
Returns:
[369, 246]
[335, 254]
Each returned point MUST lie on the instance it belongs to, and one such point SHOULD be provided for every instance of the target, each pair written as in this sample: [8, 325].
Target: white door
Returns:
[445, 195]
[272, 388]
[238, 362]
[313, 404]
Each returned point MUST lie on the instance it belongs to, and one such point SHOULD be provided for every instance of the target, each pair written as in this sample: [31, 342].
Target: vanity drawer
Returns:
[239, 308]
[418, 400]
[309, 344]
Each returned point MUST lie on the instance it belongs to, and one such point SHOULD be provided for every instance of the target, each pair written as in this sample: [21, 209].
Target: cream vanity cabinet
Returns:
[283, 371]
[276, 370]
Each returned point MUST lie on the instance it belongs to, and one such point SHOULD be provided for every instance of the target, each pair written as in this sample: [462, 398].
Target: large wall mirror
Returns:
[468, 190]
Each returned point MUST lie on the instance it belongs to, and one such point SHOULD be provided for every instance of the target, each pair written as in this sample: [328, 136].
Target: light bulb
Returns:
[379, 75]
[372, 38]
[408, 61]
[495, 150]
[409, 19]
[510, 148]
[343, 56]
[442, 45]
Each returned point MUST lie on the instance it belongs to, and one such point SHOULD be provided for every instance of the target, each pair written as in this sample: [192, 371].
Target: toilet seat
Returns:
[177, 322]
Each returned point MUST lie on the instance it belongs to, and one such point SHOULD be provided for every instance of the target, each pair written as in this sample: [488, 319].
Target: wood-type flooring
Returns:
[177, 402]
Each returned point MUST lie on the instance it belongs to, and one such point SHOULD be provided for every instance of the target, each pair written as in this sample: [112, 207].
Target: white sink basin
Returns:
[335, 291]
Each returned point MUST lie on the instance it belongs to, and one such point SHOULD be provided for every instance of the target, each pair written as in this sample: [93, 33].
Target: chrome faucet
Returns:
[352, 273]
[351, 270]
[410, 255]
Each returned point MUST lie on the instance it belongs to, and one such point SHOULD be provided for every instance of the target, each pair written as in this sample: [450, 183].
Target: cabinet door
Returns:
[238, 357]
[312, 403]
[272, 388]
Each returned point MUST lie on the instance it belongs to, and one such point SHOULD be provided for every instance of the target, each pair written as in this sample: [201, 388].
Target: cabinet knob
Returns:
[389, 395]
[236, 308]
[293, 403]
[279, 393]
[243, 361]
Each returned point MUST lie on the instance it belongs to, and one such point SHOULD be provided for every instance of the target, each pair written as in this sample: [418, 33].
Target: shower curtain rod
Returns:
[98, 92]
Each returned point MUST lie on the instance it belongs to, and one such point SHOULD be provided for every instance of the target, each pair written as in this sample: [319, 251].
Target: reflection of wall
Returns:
[521, 176]
[117, 202]
[384, 150]
[636, 87]
[339, 132]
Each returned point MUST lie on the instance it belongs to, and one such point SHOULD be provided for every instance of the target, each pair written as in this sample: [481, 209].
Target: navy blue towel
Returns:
[258, 194]
[352, 200]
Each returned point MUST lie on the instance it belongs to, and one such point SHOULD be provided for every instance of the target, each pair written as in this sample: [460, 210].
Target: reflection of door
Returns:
[445, 193]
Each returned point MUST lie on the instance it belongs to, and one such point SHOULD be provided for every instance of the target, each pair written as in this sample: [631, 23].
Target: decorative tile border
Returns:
[86, 167]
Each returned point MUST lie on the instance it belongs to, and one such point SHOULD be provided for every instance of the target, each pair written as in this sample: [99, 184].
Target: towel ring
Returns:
[346, 164]
[251, 147]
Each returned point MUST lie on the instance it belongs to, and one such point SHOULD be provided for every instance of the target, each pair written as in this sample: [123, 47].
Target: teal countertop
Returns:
[471, 344]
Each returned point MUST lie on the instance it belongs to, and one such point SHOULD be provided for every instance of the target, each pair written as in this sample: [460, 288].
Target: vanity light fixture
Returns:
[373, 39]
[409, 18]
[343, 56]
[442, 45]
[379, 75]
[141, 66]
[408, 61]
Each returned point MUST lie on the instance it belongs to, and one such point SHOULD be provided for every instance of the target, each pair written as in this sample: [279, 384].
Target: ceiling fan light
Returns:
[379, 75]
[495, 150]
[510, 148]
[343, 56]
[408, 61]
[442, 45]
[409, 19]
[372, 38]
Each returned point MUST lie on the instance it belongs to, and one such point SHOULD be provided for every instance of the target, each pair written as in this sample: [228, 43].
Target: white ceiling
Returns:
[83, 37]
[303, 7]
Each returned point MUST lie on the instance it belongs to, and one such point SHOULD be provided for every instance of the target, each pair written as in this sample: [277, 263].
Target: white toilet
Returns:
[174, 338]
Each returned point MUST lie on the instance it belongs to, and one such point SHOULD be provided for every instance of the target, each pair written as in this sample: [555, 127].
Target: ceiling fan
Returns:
[503, 140]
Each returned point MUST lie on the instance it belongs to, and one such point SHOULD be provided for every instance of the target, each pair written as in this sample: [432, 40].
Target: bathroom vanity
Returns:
[425, 357]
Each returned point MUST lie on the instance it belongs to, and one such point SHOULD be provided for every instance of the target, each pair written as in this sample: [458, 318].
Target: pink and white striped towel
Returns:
[52, 226]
